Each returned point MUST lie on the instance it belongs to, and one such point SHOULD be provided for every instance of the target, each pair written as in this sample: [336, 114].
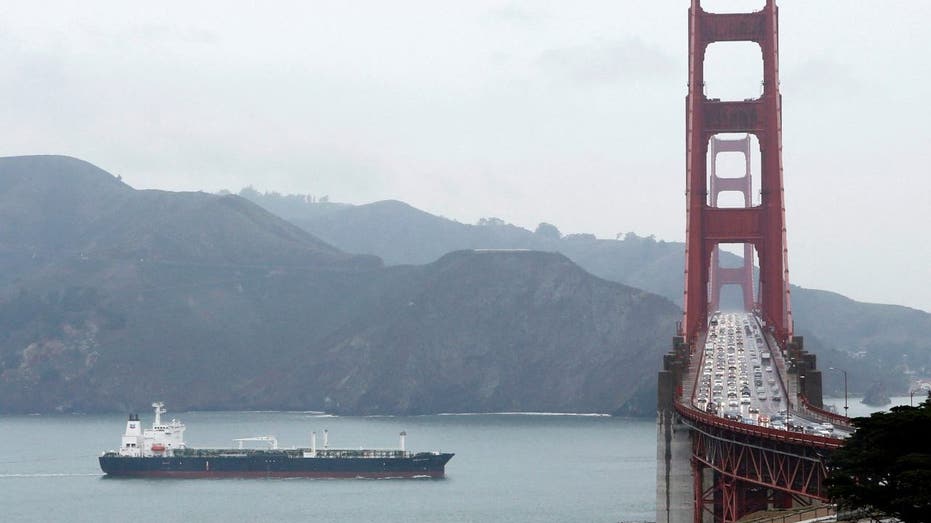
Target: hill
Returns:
[489, 332]
[56, 208]
[871, 341]
[113, 297]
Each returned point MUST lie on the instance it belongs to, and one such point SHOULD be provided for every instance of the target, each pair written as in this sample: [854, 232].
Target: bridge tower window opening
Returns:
[731, 200]
[733, 165]
[733, 284]
[732, 6]
[733, 71]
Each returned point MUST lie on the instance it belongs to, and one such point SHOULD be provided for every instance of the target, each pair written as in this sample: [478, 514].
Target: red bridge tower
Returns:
[763, 225]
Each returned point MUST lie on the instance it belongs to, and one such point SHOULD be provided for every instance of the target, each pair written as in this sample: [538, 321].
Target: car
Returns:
[776, 398]
[753, 410]
[828, 427]
[745, 400]
[733, 404]
[761, 397]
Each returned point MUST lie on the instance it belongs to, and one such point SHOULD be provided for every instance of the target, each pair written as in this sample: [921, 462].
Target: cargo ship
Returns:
[161, 452]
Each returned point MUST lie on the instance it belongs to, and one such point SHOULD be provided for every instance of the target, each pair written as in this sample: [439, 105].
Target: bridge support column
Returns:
[703, 491]
[674, 483]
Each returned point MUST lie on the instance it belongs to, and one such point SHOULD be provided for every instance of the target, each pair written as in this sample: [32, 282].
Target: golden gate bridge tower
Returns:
[718, 460]
[761, 226]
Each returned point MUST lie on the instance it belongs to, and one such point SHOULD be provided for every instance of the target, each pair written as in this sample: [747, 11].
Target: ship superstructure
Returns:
[161, 440]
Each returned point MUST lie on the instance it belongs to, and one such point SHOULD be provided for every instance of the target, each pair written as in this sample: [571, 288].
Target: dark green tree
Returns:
[884, 468]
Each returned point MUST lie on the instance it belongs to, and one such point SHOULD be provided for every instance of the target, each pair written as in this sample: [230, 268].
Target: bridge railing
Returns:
[823, 415]
[794, 516]
[756, 430]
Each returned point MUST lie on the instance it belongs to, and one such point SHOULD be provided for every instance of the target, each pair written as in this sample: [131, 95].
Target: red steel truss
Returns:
[752, 473]
[742, 276]
[762, 226]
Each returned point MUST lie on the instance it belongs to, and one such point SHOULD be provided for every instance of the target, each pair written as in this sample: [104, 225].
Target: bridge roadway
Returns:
[739, 377]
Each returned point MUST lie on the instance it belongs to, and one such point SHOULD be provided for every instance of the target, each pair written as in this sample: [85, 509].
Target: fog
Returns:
[570, 113]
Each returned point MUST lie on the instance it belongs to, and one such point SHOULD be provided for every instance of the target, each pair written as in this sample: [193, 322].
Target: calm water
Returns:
[856, 407]
[507, 468]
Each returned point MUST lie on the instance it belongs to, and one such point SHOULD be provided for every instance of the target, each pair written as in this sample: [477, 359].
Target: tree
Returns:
[491, 222]
[884, 468]
[548, 230]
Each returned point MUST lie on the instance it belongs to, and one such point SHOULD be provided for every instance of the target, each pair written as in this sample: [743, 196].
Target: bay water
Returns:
[507, 468]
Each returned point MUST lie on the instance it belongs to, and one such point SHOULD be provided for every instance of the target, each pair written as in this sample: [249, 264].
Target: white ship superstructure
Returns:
[161, 440]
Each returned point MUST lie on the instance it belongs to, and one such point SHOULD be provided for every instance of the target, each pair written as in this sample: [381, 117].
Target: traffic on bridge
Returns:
[739, 378]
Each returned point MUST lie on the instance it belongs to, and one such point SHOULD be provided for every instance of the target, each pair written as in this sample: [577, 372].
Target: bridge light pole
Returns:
[845, 389]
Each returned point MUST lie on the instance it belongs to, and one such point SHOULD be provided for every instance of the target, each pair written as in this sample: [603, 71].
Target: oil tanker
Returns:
[161, 452]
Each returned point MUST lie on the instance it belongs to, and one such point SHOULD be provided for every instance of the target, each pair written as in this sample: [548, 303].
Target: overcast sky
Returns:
[565, 112]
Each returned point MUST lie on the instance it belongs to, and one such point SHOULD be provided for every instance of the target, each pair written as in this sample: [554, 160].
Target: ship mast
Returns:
[159, 410]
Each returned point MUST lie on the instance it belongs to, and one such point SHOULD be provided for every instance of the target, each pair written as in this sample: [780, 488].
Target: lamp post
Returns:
[845, 389]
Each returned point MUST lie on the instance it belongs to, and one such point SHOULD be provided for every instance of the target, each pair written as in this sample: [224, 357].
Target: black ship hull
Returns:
[276, 465]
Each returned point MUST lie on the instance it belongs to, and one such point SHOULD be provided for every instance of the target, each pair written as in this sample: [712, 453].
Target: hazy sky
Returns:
[566, 112]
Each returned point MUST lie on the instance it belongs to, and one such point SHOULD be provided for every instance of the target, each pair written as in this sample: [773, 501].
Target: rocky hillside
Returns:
[112, 297]
[487, 332]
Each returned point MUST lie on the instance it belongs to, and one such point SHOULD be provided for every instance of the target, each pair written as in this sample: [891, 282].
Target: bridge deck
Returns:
[737, 374]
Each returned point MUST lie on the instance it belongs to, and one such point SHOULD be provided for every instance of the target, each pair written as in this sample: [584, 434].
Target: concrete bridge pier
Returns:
[804, 378]
[674, 481]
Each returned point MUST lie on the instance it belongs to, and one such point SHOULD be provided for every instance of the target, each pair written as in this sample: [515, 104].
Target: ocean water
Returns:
[507, 468]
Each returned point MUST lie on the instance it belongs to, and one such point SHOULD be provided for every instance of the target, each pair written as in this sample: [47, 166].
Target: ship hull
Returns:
[275, 466]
